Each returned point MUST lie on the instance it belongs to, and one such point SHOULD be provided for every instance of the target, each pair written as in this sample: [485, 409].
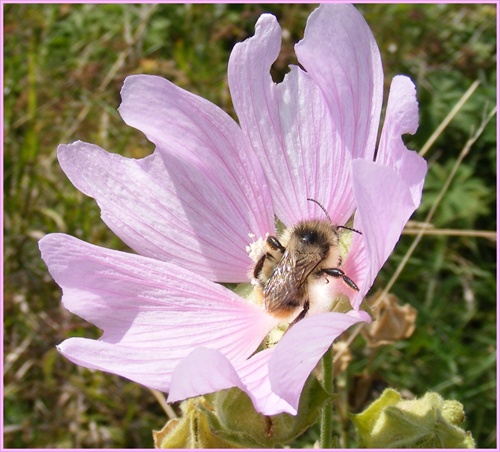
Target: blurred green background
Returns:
[63, 69]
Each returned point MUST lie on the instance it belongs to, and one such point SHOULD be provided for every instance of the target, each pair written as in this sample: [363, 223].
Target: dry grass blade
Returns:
[490, 235]
[160, 397]
[448, 118]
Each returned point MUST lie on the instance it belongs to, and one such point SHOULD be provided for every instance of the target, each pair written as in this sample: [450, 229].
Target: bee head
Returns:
[312, 237]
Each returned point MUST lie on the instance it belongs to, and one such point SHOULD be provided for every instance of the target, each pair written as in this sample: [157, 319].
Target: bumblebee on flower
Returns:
[289, 273]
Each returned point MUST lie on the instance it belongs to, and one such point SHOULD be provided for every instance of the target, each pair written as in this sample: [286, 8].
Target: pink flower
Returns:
[188, 210]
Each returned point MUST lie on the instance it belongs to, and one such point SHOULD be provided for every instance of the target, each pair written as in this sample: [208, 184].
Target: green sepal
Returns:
[191, 431]
[234, 418]
[428, 422]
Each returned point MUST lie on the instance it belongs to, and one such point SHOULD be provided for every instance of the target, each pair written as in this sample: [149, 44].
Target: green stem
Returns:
[326, 434]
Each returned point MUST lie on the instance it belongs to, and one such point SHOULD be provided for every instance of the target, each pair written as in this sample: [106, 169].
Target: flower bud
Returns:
[191, 431]
[234, 418]
[428, 422]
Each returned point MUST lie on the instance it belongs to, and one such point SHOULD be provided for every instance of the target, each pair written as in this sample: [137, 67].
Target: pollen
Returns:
[257, 248]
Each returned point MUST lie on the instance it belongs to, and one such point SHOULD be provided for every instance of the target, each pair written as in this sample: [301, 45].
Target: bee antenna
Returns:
[322, 208]
[328, 216]
[350, 229]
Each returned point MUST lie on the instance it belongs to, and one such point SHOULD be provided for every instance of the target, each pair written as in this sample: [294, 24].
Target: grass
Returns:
[64, 66]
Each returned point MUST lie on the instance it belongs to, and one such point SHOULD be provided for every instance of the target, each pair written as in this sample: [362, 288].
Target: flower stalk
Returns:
[326, 430]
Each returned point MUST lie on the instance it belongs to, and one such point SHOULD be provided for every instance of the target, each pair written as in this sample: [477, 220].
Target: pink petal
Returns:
[340, 53]
[203, 371]
[153, 313]
[291, 130]
[384, 206]
[357, 266]
[255, 101]
[205, 152]
[255, 375]
[402, 117]
[140, 365]
[301, 348]
[161, 212]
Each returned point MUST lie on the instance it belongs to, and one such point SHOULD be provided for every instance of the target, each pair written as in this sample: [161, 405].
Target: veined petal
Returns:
[291, 130]
[340, 53]
[161, 212]
[255, 102]
[300, 349]
[222, 173]
[251, 84]
[205, 371]
[255, 375]
[402, 117]
[356, 265]
[384, 204]
[153, 313]
[140, 364]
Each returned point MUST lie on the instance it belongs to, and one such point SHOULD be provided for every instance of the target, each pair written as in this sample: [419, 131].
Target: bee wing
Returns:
[286, 288]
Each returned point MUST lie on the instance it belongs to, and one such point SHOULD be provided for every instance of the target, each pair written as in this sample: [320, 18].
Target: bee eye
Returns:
[310, 237]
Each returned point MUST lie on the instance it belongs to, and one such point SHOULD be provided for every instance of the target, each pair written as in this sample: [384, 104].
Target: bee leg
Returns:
[274, 243]
[338, 273]
[258, 266]
[301, 315]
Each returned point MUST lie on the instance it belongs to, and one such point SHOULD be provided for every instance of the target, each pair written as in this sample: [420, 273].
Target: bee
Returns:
[304, 253]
